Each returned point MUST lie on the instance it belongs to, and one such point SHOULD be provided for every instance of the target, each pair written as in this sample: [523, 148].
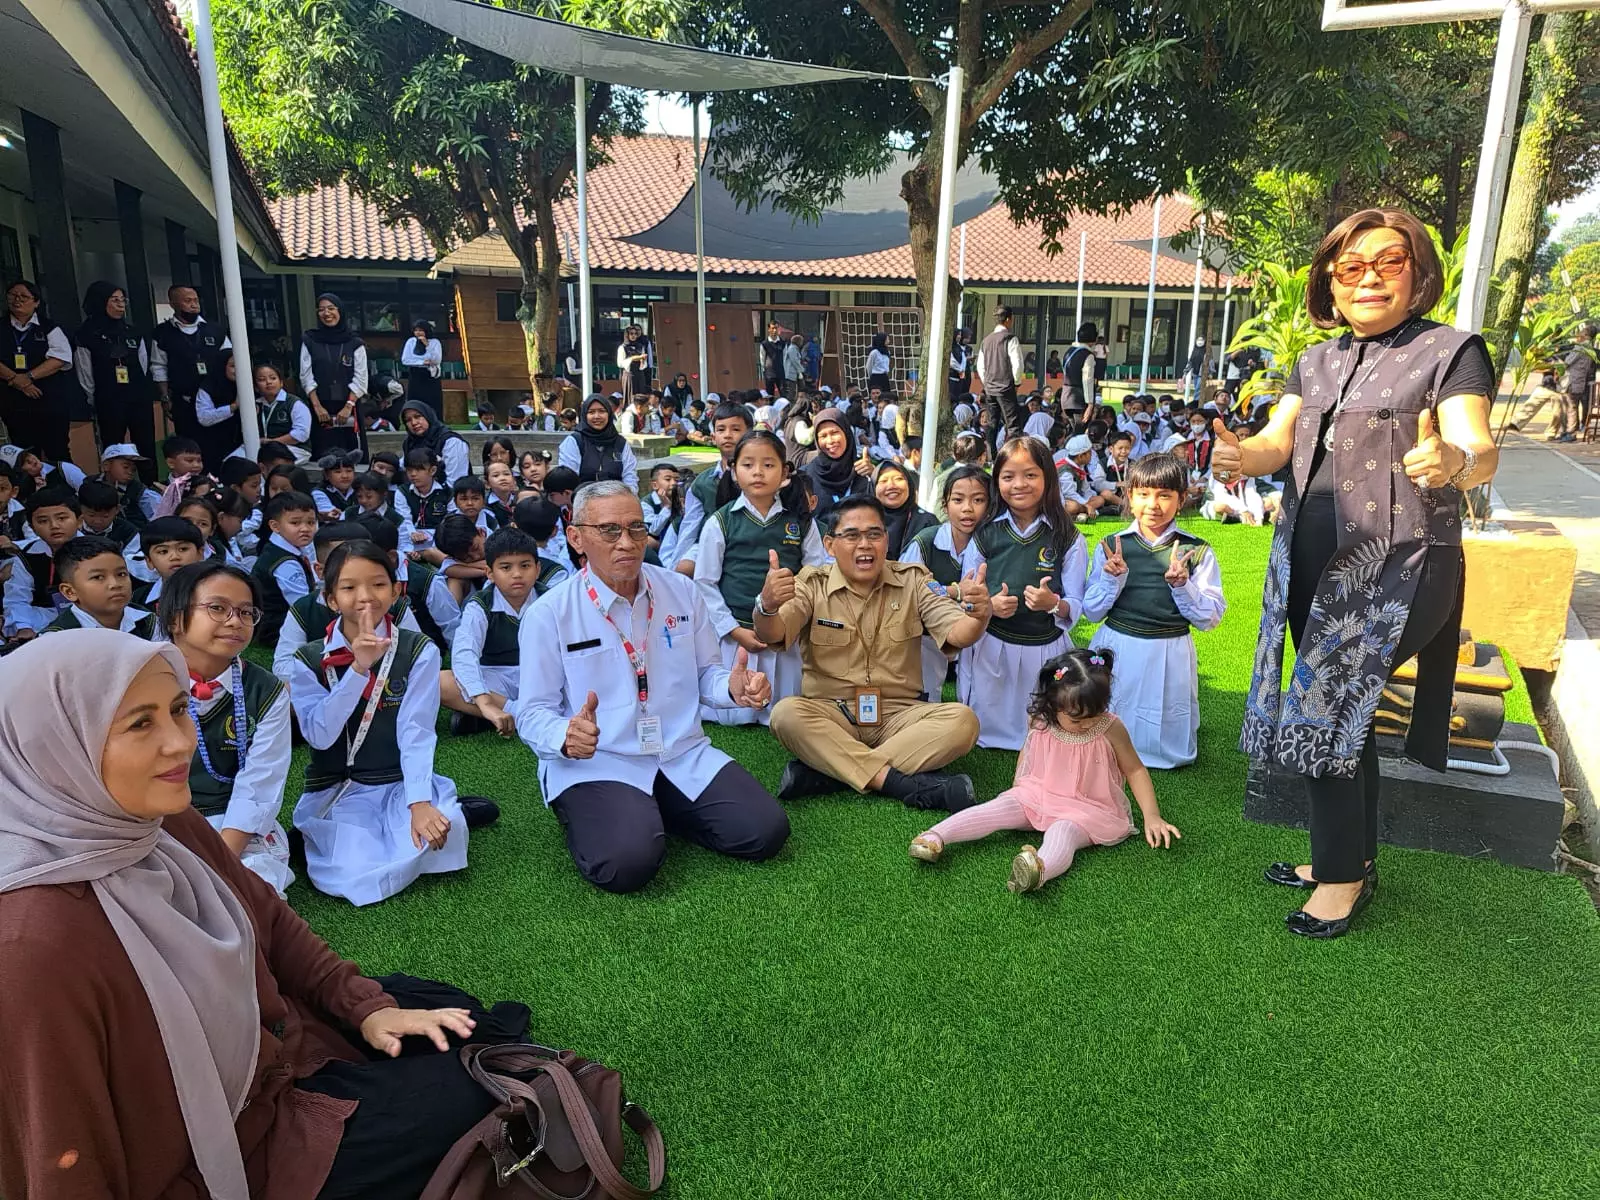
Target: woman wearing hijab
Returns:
[799, 432]
[1195, 372]
[836, 472]
[422, 358]
[895, 486]
[424, 430]
[171, 1026]
[597, 450]
[333, 373]
[113, 362]
[879, 365]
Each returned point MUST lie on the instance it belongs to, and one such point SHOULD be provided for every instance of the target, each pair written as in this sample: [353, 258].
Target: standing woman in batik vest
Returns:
[333, 372]
[1383, 427]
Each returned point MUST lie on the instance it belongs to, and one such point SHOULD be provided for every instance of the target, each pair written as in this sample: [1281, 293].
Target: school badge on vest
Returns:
[791, 533]
[1047, 559]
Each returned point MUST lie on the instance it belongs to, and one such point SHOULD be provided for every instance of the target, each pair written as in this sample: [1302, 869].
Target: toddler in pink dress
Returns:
[1069, 782]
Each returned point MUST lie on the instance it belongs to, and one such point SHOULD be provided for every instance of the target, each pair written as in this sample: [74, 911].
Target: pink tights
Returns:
[1061, 843]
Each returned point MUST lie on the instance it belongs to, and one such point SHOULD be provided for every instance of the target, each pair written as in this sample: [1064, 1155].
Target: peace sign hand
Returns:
[368, 648]
[1178, 573]
[1114, 563]
[1042, 598]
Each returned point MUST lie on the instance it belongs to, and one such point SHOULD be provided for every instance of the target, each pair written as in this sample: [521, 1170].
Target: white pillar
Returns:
[1494, 161]
[1150, 297]
[938, 356]
[1222, 346]
[700, 259]
[227, 238]
[586, 306]
[1194, 303]
[961, 274]
[1083, 254]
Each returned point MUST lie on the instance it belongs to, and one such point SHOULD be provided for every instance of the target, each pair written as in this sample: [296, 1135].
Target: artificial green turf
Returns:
[843, 1022]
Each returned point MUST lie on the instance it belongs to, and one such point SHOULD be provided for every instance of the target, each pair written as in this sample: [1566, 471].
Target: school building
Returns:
[103, 175]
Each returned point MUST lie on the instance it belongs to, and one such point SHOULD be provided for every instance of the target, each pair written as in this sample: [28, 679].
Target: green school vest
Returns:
[314, 617]
[551, 573]
[745, 560]
[500, 642]
[355, 513]
[945, 567]
[144, 627]
[276, 419]
[274, 606]
[426, 511]
[704, 488]
[1145, 607]
[378, 761]
[1021, 562]
[261, 689]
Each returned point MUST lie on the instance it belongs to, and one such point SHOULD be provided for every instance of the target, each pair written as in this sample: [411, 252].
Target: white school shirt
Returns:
[257, 793]
[1015, 354]
[20, 612]
[442, 604]
[70, 472]
[570, 455]
[878, 363]
[131, 616]
[323, 714]
[1200, 601]
[628, 422]
[657, 515]
[466, 648]
[291, 580]
[358, 378]
[57, 345]
[158, 356]
[1071, 571]
[694, 516]
[291, 637]
[83, 360]
[713, 547]
[454, 459]
[484, 521]
[431, 357]
[569, 650]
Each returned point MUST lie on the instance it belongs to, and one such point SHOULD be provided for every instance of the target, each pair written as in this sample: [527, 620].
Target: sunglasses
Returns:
[1388, 265]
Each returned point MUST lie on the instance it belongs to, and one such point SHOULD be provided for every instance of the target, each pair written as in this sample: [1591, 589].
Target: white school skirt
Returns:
[935, 666]
[361, 847]
[997, 683]
[502, 680]
[265, 854]
[1155, 689]
[782, 669]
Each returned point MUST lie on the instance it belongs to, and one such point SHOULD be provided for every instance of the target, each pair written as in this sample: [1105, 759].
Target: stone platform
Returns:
[645, 446]
[1514, 818]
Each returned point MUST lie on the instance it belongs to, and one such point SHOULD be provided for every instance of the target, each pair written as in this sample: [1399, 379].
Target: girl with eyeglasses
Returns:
[240, 711]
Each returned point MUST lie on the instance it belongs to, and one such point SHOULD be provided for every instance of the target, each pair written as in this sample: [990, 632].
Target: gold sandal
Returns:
[927, 847]
[1027, 871]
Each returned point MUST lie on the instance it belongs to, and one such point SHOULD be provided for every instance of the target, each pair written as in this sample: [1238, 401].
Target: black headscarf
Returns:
[1197, 356]
[332, 335]
[832, 476]
[880, 341]
[601, 439]
[908, 520]
[433, 437]
[95, 318]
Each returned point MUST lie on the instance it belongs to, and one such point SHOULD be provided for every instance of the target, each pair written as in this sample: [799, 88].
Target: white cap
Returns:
[122, 450]
[825, 388]
[616, 395]
[9, 454]
[1078, 444]
[712, 399]
[1142, 418]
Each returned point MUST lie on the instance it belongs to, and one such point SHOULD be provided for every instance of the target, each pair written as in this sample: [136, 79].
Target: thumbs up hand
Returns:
[973, 592]
[1432, 462]
[583, 732]
[747, 688]
[1041, 598]
[1003, 603]
[779, 587]
[1227, 454]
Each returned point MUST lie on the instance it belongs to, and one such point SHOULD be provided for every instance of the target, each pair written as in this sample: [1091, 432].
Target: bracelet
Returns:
[761, 607]
[1469, 464]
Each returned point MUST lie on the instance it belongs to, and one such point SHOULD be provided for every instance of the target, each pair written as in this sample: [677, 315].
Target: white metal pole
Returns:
[700, 257]
[227, 238]
[1194, 302]
[586, 329]
[1083, 254]
[1150, 297]
[933, 381]
[1222, 346]
[1494, 160]
[961, 274]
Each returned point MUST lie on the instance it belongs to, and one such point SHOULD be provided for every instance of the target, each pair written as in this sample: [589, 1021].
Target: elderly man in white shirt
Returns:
[615, 663]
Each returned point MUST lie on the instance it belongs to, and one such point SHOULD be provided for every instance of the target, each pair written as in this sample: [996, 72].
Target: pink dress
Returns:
[1073, 777]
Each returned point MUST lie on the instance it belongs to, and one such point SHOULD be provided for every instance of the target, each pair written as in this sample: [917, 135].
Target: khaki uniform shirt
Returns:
[848, 640]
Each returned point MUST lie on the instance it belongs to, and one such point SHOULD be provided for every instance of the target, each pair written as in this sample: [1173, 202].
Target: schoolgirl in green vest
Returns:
[375, 498]
[965, 498]
[426, 500]
[240, 712]
[502, 485]
[281, 417]
[374, 814]
[1150, 585]
[762, 520]
[1036, 560]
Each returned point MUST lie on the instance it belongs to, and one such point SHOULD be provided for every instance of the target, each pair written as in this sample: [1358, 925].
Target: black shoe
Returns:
[800, 780]
[465, 724]
[1285, 875]
[1304, 924]
[480, 811]
[931, 789]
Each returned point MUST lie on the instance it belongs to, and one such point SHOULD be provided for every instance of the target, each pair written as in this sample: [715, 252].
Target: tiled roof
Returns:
[648, 177]
[335, 223]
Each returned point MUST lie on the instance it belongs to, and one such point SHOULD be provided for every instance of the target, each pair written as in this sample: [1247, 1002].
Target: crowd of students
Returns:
[358, 585]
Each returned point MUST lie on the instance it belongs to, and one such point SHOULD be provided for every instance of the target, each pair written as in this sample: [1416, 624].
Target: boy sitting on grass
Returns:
[168, 543]
[94, 581]
[482, 679]
[283, 568]
[31, 596]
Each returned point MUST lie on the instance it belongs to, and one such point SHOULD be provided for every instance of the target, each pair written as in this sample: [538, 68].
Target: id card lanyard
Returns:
[866, 698]
[649, 727]
[239, 743]
[367, 715]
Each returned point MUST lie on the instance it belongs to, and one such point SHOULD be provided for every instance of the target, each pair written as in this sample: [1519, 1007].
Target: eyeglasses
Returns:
[223, 613]
[1388, 265]
[637, 531]
[853, 536]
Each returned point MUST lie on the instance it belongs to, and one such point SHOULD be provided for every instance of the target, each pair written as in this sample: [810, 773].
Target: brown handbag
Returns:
[555, 1133]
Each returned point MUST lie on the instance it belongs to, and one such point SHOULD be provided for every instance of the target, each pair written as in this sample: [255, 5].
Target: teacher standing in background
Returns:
[1383, 427]
[333, 372]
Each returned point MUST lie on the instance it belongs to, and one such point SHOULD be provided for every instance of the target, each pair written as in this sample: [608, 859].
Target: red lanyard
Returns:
[634, 656]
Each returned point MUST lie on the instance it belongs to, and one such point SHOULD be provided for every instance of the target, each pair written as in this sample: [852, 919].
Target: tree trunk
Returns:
[1555, 84]
[919, 187]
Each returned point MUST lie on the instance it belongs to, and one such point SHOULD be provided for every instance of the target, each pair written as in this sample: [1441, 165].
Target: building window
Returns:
[1161, 344]
[886, 300]
[716, 295]
[10, 255]
[506, 305]
[792, 296]
[1063, 323]
[378, 304]
[263, 309]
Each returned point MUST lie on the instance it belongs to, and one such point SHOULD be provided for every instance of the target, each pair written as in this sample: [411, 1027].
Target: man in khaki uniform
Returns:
[860, 721]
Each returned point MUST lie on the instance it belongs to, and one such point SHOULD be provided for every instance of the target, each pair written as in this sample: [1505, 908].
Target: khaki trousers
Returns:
[912, 737]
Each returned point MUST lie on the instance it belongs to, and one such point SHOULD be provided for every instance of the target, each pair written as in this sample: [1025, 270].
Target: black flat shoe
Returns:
[479, 811]
[800, 780]
[465, 724]
[1303, 923]
[1285, 875]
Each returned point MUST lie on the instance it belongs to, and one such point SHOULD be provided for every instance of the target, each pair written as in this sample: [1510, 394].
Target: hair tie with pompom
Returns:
[1060, 671]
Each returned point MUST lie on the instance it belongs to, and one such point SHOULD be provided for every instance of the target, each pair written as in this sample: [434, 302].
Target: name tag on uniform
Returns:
[199, 368]
[826, 624]
[650, 736]
[866, 706]
[122, 373]
[19, 361]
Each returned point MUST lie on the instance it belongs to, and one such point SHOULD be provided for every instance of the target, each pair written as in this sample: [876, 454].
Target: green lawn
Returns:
[842, 1022]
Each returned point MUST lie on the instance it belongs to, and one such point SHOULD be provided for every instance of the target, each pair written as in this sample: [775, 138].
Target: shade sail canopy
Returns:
[613, 57]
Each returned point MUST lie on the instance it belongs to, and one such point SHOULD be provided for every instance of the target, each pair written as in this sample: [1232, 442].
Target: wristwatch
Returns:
[1469, 464]
[761, 607]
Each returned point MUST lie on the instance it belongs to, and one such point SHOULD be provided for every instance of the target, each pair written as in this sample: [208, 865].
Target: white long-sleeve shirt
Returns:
[1200, 600]
[431, 356]
[1015, 346]
[358, 379]
[694, 516]
[257, 793]
[292, 636]
[84, 362]
[323, 714]
[714, 548]
[568, 649]
[466, 647]
[878, 363]
[1071, 571]
[290, 578]
[570, 455]
[20, 612]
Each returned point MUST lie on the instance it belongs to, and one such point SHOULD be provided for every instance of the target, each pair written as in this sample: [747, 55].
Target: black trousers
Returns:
[617, 835]
[412, 1109]
[1344, 811]
[34, 424]
[130, 418]
[1005, 414]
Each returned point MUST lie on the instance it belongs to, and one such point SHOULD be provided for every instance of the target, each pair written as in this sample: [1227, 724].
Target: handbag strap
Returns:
[593, 1147]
